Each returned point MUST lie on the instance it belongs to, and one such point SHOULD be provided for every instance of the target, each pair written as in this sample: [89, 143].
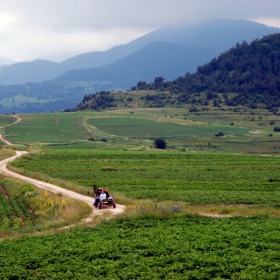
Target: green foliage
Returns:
[160, 143]
[142, 128]
[47, 128]
[15, 213]
[196, 178]
[176, 247]
[246, 75]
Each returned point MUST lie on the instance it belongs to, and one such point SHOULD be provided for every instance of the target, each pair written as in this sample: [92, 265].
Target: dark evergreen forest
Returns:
[247, 74]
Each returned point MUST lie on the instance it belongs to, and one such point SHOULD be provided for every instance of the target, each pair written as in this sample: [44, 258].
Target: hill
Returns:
[247, 74]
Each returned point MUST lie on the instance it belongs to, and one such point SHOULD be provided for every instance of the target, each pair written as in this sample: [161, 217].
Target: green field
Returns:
[6, 120]
[151, 247]
[157, 238]
[47, 128]
[195, 178]
[139, 128]
[244, 131]
[14, 213]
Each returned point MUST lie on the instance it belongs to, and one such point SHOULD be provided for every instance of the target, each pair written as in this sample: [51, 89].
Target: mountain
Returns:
[214, 36]
[195, 46]
[246, 75]
[6, 61]
[35, 71]
[155, 59]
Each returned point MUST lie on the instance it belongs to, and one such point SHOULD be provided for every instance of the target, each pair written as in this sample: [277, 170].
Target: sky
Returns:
[31, 29]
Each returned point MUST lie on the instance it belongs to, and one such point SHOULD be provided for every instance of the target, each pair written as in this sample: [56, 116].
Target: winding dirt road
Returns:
[56, 189]
[18, 119]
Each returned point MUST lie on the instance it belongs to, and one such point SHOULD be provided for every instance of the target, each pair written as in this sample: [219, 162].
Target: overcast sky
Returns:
[37, 28]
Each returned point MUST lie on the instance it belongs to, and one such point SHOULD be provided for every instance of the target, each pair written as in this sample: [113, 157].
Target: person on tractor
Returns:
[97, 191]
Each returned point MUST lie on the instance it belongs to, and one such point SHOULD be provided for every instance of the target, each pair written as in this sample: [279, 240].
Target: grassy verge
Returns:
[36, 209]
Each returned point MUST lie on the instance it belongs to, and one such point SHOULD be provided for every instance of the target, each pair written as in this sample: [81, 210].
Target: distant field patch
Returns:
[47, 128]
[140, 128]
[6, 119]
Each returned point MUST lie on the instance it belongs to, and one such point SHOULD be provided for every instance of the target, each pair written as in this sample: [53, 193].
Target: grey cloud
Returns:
[73, 15]
[53, 26]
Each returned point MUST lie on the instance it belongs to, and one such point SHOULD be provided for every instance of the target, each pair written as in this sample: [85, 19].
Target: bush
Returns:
[219, 134]
[160, 143]
[276, 129]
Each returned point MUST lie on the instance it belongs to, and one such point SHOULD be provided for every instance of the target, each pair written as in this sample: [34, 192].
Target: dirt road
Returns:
[56, 189]
[18, 119]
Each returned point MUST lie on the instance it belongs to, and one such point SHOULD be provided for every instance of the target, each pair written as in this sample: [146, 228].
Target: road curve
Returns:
[8, 143]
[53, 188]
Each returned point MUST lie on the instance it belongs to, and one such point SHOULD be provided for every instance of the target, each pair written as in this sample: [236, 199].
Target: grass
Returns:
[47, 128]
[49, 210]
[195, 178]
[139, 128]
[6, 120]
[246, 131]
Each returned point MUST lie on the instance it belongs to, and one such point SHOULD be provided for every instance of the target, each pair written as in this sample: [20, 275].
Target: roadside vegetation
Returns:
[27, 210]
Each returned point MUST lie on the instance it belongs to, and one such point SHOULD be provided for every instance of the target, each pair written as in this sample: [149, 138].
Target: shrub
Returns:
[276, 129]
[219, 134]
[160, 143]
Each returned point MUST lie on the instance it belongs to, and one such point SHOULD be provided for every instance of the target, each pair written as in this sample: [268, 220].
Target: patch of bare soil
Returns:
[255, 132]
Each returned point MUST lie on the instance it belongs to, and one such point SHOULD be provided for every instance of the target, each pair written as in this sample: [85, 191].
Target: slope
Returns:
[155, 59]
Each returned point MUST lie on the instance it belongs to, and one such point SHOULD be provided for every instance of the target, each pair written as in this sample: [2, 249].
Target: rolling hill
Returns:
[246, 75]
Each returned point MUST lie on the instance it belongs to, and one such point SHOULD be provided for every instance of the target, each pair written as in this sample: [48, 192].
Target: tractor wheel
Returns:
[114, 204]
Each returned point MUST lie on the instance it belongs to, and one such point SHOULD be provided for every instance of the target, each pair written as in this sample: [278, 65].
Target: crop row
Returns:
[180, 247]
[14, 214]
[195, 178]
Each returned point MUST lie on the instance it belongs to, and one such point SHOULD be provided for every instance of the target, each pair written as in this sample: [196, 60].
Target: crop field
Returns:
[14, 213]
[195, 178]
[47, 128]
[6, 119]
[150, 241]
[139, 128]
[244, 131]
[151, 247]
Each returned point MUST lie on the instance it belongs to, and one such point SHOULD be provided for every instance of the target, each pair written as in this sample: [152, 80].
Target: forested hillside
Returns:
[247, 74]
[250, 71]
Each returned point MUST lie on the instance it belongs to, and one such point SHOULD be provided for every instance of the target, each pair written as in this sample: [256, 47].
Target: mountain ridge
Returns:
[225, 33]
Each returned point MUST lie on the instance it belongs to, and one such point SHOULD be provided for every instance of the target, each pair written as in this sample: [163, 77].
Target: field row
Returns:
[14, 213]
[195, 178]
[180, 247]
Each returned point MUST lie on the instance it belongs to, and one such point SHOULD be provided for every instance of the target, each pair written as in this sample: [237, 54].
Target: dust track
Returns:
[18, 119]
[56, 189]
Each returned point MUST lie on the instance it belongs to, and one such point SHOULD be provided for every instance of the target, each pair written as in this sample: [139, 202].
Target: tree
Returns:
[142, 85]
[158, 82]
[160, 143]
